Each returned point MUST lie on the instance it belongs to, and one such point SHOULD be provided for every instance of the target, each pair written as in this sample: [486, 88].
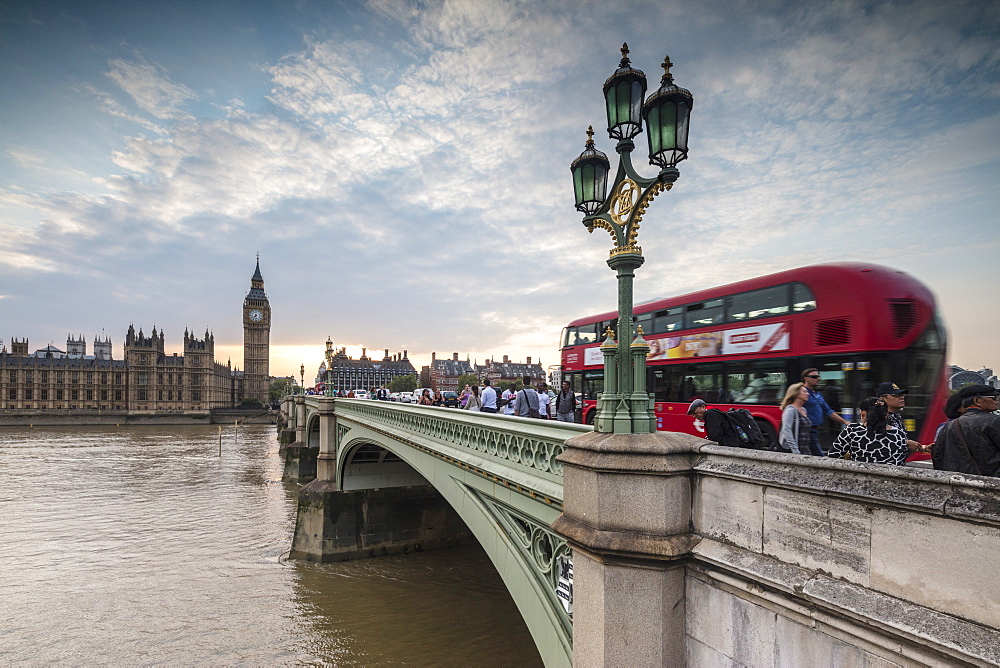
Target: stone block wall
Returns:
[785, 560]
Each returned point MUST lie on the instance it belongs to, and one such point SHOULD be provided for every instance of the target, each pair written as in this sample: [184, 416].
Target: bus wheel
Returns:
[590, 417]
[770, 437]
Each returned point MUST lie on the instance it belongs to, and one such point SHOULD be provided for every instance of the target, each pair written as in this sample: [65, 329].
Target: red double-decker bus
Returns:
[741, 345]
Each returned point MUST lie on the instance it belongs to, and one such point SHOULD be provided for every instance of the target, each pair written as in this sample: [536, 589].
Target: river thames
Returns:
[141, 545]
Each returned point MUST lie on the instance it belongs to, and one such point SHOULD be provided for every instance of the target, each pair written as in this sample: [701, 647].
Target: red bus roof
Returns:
[838, 283]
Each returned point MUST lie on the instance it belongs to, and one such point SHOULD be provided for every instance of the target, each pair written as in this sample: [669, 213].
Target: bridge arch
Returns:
[510, 522]
[312, 430]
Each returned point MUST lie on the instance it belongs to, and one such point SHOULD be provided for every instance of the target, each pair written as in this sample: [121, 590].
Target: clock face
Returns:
[256, 315]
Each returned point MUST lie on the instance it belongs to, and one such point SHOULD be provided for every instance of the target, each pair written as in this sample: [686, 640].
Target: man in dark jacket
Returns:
[971, 443]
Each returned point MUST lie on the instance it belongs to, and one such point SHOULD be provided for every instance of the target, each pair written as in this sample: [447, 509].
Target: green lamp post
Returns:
[625, 407]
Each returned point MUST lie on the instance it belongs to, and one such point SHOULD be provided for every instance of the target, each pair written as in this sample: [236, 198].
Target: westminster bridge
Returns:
[664, 549]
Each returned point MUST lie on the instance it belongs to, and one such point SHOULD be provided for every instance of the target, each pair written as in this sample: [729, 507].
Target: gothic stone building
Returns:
[147, 379]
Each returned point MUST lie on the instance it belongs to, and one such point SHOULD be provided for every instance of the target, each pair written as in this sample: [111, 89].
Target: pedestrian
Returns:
[507, 398]
[894, 398]
[795, 424]
[526, 401]
[464, 398]
[817, 409]
[713, 420]
[488, 397]
[566, 404]
[876, 439]
[544, 402]
[952, 409]
[425, 399]
[473, 403]
[971, 442]
[438, 398]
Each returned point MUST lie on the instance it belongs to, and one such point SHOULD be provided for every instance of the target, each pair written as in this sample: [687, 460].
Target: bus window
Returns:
[757, 387]
[802, 298]
[763, 303]
[703, 314]
[664, 382]
[644, 320]
[582, 335]
[702, 380]
[668, 320]
[593, 384]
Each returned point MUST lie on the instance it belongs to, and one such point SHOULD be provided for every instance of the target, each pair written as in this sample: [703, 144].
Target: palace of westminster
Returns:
[147, 379]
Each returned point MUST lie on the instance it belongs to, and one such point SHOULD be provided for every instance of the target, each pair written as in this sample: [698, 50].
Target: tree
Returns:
[281, 387]
[251, 402]
[403, 383]
[469, 379]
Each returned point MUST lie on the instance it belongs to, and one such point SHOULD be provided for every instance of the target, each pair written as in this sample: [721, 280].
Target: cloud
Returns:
[150, 89]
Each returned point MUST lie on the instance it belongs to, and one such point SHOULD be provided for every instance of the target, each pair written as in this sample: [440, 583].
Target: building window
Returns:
[74, 377]
[74, 395]
[90, 395]
[59, 395]
[29, 393]
[12, 394]
[160, 379]
[141, 395]
[45, 376]
[60, 379]
[118, 395]
[170, 395]
[180, 395]
[45, 395]
[195, 395]
[118, 379]
[13, 376]
[159, 395]
[90, 378]
[28, 376]
[143, 378]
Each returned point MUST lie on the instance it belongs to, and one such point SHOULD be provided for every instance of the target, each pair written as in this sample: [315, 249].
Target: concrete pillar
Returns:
[287, 433]
[627, 516]
[300, 459]
[334, 525]
[326, 459]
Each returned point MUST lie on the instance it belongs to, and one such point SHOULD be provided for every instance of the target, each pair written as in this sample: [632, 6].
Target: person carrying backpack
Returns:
[526, 402]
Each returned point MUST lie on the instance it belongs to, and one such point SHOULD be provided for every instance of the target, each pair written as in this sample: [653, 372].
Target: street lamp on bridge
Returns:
[302, 377]
[625, 406]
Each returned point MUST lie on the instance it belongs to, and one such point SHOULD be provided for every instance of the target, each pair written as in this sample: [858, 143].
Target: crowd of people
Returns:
[534, 402]
[968, 441]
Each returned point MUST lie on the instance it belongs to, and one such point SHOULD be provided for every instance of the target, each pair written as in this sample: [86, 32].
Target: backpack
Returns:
[734, 428]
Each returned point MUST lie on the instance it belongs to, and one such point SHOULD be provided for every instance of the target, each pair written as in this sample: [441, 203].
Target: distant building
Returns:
[146, 380]
[341, 372]
[959, 377]
[444, 373]
[505, 372]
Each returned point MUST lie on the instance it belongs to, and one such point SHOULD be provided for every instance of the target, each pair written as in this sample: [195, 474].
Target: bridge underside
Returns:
[393, 493]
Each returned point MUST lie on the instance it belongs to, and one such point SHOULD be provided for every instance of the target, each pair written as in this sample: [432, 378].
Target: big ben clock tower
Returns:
[256, 339]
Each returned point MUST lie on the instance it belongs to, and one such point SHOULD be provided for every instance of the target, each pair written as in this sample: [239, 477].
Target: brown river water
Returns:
[140, 545]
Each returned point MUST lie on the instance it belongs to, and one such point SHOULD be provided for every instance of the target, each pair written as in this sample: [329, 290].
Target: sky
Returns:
[403, 167]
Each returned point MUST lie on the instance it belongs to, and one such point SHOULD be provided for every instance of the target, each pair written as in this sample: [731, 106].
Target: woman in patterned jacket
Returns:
[872, 440]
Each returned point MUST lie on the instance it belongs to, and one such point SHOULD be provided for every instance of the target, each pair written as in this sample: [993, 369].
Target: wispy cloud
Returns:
[150, 88]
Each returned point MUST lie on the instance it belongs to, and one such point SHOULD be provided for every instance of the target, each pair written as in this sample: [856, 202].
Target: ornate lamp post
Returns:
[625, 406]
[302, 377]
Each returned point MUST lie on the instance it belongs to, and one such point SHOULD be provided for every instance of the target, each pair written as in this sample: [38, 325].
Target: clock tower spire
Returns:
[256, 339]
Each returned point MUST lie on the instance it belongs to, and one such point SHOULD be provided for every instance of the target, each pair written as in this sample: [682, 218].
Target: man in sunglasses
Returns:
[817, 409]
[971, 443]
[894, 398]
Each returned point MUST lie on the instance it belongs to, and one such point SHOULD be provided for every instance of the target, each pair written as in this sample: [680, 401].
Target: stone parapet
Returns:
[775, 559]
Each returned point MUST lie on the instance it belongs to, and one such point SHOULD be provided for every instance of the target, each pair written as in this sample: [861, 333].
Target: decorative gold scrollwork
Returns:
[624, 201]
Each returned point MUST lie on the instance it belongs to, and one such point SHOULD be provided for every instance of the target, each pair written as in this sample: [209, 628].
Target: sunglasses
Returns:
[812, 376]
[898, 395]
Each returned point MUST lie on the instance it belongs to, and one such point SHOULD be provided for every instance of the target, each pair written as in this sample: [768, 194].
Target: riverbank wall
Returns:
[70, 418]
